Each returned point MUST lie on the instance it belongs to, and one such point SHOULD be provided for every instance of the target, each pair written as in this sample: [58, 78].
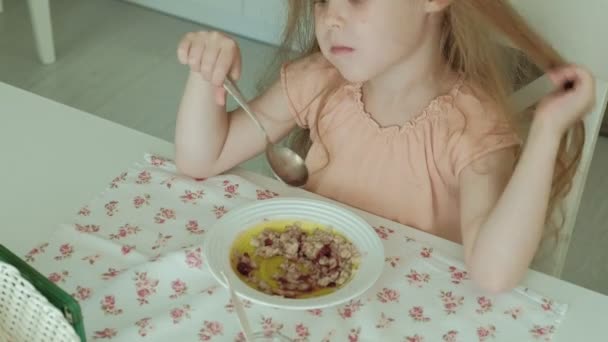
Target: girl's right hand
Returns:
[214, 55]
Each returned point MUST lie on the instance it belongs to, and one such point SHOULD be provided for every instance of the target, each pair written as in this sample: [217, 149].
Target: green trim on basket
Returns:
[55, 295]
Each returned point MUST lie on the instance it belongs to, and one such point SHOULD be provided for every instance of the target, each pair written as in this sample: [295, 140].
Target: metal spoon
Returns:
[240, 312]
[286, 165]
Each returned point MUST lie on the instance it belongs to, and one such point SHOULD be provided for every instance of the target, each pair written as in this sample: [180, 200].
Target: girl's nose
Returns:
[334, 18]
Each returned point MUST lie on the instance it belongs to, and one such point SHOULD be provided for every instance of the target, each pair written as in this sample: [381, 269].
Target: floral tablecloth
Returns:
[133, 259]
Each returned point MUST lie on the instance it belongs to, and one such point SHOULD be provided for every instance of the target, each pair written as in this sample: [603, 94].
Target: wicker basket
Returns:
[26, 315]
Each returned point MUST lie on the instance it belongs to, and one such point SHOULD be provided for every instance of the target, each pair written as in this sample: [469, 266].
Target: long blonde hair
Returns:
[469, 40]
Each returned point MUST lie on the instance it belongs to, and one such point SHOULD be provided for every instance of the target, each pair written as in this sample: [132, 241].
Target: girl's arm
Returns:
[208, 140]
[503, 216]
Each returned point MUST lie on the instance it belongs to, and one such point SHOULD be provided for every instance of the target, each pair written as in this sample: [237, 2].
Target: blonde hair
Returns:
[469, 40]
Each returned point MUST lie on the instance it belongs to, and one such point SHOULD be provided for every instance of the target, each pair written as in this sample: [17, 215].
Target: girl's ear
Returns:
[434, 6]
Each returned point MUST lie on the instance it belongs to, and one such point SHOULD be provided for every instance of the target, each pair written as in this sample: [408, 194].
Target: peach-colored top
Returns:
[408, 174]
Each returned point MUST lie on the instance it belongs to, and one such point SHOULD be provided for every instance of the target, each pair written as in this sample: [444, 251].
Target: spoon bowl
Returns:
[286, 165]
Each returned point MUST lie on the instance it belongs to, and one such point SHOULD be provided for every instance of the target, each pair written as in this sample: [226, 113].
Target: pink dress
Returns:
[408, 173]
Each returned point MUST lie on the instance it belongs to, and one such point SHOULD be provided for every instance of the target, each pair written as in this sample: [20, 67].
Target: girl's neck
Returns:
[405, 88]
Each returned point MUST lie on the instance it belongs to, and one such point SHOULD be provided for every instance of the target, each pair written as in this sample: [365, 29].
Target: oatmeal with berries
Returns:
[294, 259]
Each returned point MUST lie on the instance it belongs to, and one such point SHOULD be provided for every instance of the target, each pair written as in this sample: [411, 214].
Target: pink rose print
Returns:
[383, 232]
[458, 276]
[450, 336]
[125, 231]
[143, 177]
[485, 305]
[426, 252]
[92, 259]
[316, 312]
[240, 337]
[144, 326]
[353, 335]
[140, 201]
[84, 211]
[219, 211]
[156, 257]
[89, 228]
[111, 208]
[349, 309]
[388, 295]
[126, 249]
[158, 161]
[230, 306]
[265, 194]
[30, 256]
[82, 293]
[192, 227]
[209, 330]
[547, 304]
[178, 314]
[106, 333]
[418, 279]
[393, 261]
[108, 306]
[269, 327]
[168, 182]
[111, 273]
[231, 190]
[179, 289]
[209, 290]
[514, 312]
[145, 287]
[544, 333]
[415, 338]
[58, 277]
[302, 332]
[194, 258]
[417, 314]
[451, 303]
[329, 336]
[163, 215]
[116, 181]
[192, 197]
[485, 333]
[161, 241]
[384, 321]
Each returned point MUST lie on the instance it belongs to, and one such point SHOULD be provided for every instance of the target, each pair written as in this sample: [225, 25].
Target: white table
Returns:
[54, 158]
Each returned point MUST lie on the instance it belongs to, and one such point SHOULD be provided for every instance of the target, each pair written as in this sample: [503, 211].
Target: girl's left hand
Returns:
[562, 109]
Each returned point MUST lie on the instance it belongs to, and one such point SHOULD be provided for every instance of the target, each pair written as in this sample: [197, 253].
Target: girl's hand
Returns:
[566, 106]
[213, 55]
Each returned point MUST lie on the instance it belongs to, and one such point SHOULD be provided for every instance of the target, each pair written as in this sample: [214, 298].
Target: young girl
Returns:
[406, 106]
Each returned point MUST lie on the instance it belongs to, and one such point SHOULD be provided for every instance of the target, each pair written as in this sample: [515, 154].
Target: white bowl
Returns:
[219, 240]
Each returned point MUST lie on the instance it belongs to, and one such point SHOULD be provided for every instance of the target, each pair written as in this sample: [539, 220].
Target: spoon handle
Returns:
[238, 97]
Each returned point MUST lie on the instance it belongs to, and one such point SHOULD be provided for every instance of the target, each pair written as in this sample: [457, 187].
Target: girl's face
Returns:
[363, 38]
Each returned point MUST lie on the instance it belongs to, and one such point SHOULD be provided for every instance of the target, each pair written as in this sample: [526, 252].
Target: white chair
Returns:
[573, 29]
[40, 14]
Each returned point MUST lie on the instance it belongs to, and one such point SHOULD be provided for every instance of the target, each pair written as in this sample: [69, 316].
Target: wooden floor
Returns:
[117, 61]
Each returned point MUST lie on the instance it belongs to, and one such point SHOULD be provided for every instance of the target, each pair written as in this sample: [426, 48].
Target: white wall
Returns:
[577, 28]
[261, 20]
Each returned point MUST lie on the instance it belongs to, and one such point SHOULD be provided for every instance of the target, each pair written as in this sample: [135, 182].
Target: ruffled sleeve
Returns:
[479, 128]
